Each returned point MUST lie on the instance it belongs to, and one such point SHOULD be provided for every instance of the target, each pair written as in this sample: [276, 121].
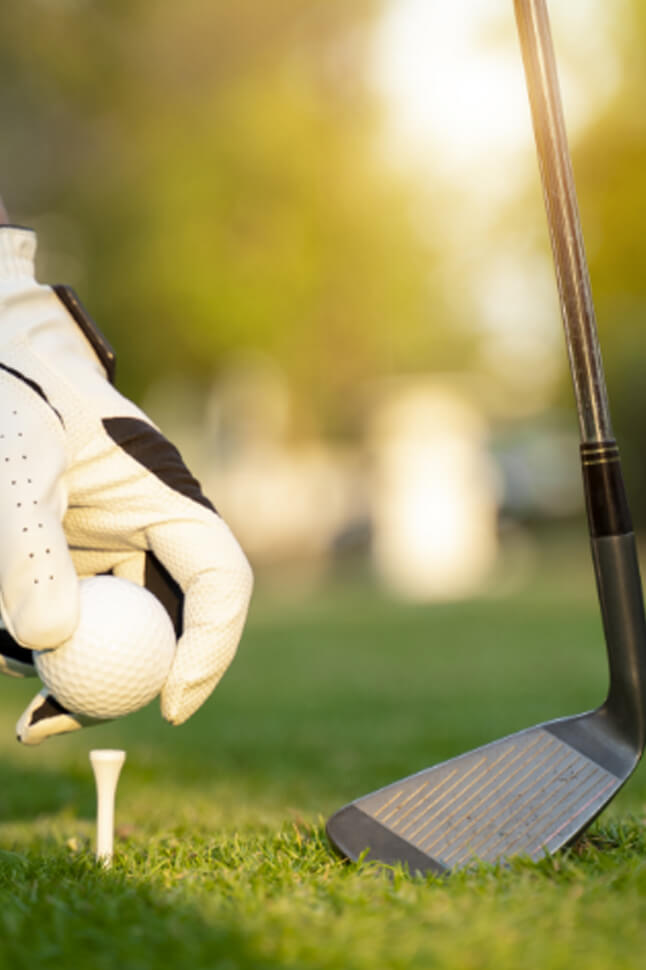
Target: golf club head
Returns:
[528, 794]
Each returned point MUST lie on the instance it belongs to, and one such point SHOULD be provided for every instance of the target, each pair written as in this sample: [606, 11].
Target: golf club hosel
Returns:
[622, 610]
[619, 586]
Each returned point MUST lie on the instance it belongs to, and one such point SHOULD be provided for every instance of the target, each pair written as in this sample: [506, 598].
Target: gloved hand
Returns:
[89, 485]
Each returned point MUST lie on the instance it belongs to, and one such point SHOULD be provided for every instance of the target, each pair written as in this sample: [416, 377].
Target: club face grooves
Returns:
[526, 795]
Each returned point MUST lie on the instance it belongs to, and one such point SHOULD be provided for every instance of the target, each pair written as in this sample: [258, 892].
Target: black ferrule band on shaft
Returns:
[605, 493]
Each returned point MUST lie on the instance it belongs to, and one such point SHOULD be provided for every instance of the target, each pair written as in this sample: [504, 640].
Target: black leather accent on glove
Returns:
[34, 386]
[155, 452]
[98, 341]
[9, 648]
[49, 708]
[159, 581]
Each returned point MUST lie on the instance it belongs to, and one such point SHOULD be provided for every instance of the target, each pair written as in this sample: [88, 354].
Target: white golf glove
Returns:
[88, 485]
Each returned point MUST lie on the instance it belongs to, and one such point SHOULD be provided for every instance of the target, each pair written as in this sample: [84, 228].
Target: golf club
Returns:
[531, 793]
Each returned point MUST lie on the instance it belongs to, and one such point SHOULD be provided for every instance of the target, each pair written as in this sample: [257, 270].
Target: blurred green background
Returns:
[274, 209]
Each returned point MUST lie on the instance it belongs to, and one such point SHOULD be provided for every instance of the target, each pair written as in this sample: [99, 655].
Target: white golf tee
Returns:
[106, 765]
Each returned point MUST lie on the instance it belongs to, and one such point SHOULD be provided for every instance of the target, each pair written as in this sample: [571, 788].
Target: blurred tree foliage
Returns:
[215, 174]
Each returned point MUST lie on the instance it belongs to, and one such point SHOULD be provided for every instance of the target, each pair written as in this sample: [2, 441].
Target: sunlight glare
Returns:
[451, 73]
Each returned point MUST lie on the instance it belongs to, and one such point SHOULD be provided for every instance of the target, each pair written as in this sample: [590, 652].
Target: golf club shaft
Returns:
[611, 531]
[607, 506]
[563, 217]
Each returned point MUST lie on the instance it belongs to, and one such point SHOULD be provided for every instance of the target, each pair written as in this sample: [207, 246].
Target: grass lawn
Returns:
[221, 859]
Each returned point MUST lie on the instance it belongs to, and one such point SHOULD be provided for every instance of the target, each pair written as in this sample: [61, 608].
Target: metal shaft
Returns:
[564, 222]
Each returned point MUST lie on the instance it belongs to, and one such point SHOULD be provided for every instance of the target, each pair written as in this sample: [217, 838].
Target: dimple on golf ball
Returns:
[119, 656]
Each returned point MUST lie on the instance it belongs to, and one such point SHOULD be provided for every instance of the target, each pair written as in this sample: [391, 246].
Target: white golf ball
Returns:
[119, 656]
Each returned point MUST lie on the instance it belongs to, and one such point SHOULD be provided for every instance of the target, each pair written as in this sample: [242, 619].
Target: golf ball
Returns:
[119, 656]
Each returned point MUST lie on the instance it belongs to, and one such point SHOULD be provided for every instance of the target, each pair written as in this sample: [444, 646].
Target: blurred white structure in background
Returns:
[285, 502]
[434, 496]
[417, 494]
[284, 505]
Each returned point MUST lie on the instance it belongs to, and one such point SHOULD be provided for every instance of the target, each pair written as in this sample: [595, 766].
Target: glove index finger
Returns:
[206, 561]
[38, 583]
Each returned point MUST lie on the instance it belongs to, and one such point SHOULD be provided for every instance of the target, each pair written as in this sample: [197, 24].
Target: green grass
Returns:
[221, 858]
